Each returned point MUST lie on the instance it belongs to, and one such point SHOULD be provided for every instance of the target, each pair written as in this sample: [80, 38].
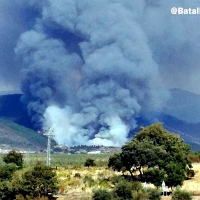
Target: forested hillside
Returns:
[15, 136]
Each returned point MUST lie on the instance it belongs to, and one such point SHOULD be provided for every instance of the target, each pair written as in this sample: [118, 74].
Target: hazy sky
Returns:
[91, 67]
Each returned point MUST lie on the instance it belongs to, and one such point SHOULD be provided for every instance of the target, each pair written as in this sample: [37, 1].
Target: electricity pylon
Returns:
[27, 157]
[49, 136]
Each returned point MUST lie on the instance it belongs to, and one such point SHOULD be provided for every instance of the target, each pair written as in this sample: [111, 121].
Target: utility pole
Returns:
[27, 157]
[49, 135]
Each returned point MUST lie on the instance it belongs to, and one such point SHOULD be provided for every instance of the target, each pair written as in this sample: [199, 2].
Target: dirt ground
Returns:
[196, 198]
[169, 198]
[192, 185]
[87, 198]
[78, 196]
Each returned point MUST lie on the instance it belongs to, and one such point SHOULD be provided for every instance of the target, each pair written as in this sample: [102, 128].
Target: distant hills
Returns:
[15, 136]
[188, 132]
[184, 106]
[16, 129]
[11, 108]
[181, 115]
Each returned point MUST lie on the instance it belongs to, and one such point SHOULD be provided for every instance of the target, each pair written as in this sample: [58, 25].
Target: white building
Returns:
[94, 152]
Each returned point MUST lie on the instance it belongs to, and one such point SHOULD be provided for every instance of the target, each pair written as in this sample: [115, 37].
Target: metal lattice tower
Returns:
[27, 157]
[49, 136]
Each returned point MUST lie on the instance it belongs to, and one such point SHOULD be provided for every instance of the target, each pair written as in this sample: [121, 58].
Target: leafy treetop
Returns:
[14, 157]
[154, 147]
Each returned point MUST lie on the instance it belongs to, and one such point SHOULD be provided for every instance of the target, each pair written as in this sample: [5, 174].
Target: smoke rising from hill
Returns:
[91, 67]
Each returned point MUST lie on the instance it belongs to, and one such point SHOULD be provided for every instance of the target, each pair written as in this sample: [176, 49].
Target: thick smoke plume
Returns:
[90, 67]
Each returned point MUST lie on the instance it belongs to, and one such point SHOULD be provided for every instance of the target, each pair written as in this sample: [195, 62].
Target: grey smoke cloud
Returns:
[174, 41]
[51, 73]
[15, 18]
[91, 67]
[9, 32]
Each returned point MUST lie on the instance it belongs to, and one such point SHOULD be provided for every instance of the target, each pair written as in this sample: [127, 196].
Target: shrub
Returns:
[88, 180]
[101, 194]
[138, 192]
[154, 194]
[41, 177]
[77, 175]
[20, 197]
[74, 183]
[103, 181]
[181, 195]
[123, 190]
[76, 167]
[7, 171]
[140, 195]
[89, 162]
[137, 186]
[116, 179]
[190, 173]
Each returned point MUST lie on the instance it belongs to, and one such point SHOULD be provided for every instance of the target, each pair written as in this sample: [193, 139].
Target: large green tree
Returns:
[14, 157]
[154, 146]
[40, 181]
[13, 162]
[6, 171]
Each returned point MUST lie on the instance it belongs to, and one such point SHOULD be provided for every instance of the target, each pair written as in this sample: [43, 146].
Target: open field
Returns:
[193, 185]
[77, 181]
[81, 190]
[64, 160]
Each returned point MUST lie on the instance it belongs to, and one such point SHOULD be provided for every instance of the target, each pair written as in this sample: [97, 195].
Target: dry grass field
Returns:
[193, 185]
[79, 183]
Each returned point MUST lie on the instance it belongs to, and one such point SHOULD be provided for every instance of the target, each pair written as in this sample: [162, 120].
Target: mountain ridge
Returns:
[183, 105]
[15, 136]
